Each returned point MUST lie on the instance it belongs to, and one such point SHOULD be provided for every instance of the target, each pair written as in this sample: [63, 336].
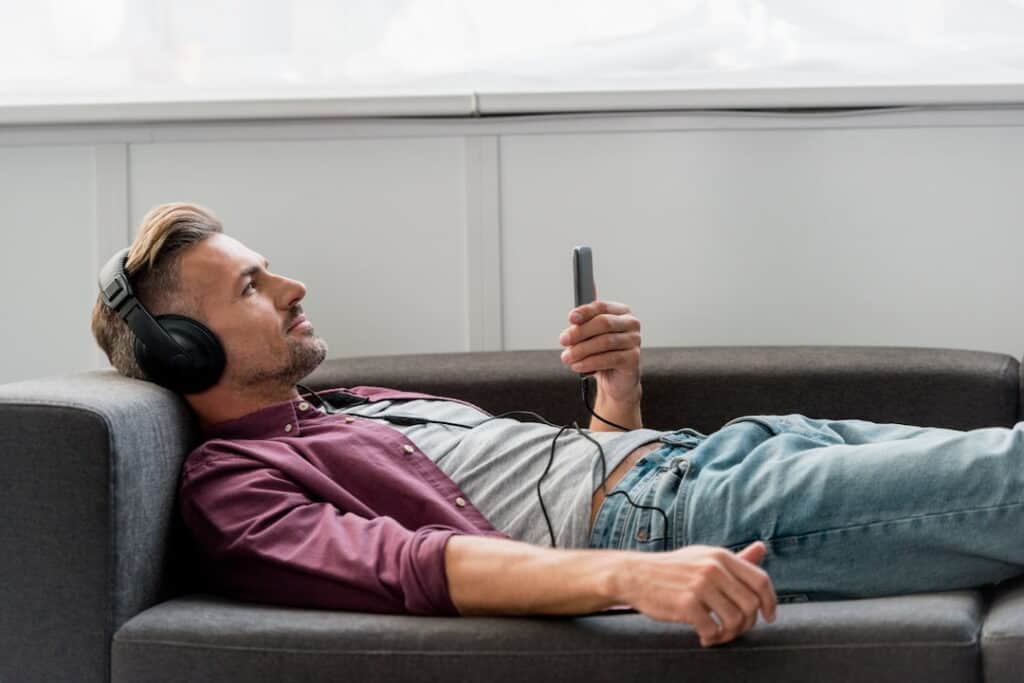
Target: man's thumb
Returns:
[754, 552]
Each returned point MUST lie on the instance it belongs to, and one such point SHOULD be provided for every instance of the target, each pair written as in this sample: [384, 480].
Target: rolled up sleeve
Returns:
[267, 541]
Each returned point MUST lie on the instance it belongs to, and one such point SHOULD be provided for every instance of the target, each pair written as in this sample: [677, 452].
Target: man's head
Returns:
[181, 262]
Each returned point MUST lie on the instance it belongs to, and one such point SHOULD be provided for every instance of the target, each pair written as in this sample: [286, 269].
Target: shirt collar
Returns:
[282, 419]
[273, 421]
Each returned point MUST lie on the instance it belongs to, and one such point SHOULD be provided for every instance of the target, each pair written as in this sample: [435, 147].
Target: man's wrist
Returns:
[628, 399]
[624, 412]
[614, 586]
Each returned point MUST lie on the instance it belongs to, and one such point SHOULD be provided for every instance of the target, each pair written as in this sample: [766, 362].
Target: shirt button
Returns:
[288, 427]
[641, 535]
[303, 406]
[460, 501]
[407, 448]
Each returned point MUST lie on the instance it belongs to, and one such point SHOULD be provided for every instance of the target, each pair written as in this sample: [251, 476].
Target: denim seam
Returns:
[673, 523]
[896, 520]
[681, 518]
[666, 538]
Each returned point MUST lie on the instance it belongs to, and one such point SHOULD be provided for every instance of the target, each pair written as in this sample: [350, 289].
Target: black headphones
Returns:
[174, 351]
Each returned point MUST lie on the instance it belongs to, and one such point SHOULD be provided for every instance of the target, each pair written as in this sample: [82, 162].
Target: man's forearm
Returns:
[501, 576]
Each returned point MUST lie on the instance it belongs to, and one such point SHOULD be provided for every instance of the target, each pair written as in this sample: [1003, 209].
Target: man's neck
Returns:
[223, 403]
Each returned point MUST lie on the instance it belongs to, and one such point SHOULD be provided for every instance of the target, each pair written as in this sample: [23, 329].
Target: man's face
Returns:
[252, 311]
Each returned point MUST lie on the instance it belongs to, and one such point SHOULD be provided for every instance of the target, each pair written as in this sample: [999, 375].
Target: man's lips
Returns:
[298, 321]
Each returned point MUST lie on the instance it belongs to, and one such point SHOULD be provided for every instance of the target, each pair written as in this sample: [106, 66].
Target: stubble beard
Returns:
[305, 354]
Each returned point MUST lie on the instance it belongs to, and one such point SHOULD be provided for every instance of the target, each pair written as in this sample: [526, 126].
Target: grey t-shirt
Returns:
[497, 464]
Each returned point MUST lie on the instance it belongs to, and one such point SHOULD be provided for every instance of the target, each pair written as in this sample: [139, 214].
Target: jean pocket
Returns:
[652, 525]
[649, 529]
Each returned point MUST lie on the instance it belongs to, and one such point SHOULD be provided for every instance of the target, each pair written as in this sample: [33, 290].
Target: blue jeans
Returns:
[846, 508]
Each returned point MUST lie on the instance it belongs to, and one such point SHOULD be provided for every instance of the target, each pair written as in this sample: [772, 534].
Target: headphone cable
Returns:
[410, 420]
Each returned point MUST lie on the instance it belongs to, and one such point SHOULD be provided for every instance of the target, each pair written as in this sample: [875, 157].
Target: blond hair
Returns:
[152, 268]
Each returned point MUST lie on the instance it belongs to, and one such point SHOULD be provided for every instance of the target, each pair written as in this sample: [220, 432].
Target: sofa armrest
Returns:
[89, 465]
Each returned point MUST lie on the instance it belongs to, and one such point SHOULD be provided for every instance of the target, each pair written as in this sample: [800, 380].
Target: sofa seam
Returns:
[533, 653]
[990, 639]
[85, 407]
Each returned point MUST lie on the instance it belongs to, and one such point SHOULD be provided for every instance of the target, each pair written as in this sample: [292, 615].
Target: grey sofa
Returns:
[96, 579]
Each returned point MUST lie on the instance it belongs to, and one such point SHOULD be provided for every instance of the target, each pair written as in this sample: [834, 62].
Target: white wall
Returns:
[421, 235]
[906, 236]
[46, 258]
[375, 228]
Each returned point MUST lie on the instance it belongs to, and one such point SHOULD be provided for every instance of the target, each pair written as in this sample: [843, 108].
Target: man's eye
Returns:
[251, 284]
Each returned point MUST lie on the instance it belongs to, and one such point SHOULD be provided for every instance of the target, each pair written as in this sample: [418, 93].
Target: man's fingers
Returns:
[585, 312]
[756, 580]
[597, 326]
[740, 594]
[754, 551]
[707, 628]
[729, 614]
[615, 341]
[612, 360]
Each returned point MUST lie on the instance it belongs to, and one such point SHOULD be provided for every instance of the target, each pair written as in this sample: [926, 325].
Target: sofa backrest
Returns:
[705, 387]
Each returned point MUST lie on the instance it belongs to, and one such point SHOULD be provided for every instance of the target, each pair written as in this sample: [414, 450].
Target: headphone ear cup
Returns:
[197, 371]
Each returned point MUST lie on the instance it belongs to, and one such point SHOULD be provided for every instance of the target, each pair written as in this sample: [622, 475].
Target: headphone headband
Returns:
[114, 285]
[118, 295]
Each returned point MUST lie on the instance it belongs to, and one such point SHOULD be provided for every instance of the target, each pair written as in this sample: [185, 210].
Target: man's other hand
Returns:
[695, 584]
[691, 583]
[604, 338]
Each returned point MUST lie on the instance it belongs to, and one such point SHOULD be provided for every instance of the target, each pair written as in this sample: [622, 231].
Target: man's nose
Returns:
[295, 292]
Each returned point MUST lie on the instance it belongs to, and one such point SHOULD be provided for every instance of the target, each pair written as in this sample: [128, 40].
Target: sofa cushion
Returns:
[926, 636]
[1002, 637]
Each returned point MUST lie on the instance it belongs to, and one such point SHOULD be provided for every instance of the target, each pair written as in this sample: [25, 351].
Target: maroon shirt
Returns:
[294, 507]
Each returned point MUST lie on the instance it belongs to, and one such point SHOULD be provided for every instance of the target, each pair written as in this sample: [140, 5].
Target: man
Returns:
[291, 504]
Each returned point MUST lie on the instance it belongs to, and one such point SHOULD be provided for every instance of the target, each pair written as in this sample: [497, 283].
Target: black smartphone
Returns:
[583, 275]
[583, 280]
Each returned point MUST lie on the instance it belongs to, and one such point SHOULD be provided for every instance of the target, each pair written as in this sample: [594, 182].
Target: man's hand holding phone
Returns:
[603, 338]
